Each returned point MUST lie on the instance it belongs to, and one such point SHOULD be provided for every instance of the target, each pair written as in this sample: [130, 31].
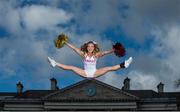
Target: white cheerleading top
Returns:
[90, 66]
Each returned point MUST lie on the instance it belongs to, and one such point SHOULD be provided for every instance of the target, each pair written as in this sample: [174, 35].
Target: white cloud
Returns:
[138, 80]
[10, 19]
[31, 17]
[41, 17]
[168, 44]
[143, 80]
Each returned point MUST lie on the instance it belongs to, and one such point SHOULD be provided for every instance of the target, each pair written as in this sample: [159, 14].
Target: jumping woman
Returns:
[90, 53]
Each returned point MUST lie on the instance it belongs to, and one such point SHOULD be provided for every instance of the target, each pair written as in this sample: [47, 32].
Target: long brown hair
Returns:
[85, 45]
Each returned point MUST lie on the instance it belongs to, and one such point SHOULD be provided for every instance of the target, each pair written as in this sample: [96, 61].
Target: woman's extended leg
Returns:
[104, 70]
[77, 70]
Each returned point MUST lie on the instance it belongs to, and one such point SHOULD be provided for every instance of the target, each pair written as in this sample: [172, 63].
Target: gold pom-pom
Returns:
[61, 40]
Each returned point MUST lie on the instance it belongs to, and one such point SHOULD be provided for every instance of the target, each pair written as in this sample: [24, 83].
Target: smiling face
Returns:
[90, 48]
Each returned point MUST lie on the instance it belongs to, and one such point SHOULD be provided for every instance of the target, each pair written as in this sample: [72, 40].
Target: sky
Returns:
[149, 30]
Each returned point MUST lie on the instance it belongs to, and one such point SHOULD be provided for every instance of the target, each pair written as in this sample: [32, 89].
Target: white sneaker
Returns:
[52, 62]
[128, 62]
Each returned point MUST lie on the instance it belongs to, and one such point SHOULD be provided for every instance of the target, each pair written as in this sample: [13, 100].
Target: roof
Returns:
[8, 93]
[34, 93]
[144, 93]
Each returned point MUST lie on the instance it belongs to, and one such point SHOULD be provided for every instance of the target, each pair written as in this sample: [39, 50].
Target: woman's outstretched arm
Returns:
[100, 54]
[77, 50]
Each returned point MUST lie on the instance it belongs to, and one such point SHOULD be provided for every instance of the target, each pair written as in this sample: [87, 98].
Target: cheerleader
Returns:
[90, 53]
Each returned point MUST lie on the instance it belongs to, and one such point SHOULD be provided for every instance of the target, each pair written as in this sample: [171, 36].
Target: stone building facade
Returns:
[90, 94]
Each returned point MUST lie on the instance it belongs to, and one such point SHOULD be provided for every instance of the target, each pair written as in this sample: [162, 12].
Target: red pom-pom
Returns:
[119, 49]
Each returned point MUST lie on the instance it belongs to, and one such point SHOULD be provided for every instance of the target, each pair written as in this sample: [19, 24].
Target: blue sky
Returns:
[149, 30]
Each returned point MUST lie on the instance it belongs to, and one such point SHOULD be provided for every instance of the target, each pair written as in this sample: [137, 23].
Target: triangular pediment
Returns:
[90, 89]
